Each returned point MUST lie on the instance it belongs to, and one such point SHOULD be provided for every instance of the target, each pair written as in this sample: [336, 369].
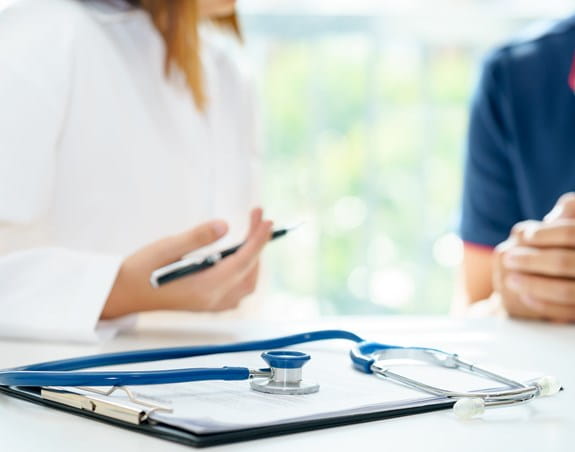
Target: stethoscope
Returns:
[284, 372]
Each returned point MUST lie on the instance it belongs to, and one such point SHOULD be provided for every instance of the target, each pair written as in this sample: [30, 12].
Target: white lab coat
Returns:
[101, 154]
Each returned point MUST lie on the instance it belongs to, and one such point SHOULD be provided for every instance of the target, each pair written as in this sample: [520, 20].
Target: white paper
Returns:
[216, 406]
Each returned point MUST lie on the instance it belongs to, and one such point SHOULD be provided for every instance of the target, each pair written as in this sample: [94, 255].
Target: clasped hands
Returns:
[534, 269]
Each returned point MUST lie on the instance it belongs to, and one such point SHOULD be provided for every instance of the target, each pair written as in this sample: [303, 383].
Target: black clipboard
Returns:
[179, 435]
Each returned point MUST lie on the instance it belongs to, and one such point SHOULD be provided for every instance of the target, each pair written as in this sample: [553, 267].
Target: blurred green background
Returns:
[364, 113]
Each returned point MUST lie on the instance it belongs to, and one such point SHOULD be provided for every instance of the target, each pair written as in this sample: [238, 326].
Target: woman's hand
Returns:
[535, 268]
[215, 289]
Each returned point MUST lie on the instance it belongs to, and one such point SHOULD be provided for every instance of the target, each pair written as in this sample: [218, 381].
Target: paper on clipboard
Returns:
[219, 406]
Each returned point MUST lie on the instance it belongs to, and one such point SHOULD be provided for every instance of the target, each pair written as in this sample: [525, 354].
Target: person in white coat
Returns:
[122, 125]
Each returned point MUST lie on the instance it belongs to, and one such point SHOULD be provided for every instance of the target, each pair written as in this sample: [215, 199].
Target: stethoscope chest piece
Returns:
[286, 374]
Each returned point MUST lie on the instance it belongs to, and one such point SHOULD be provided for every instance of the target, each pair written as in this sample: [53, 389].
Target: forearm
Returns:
[476, 273]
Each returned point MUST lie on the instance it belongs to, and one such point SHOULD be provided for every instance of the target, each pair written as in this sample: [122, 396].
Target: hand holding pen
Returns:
[217, 288]
[190, 265]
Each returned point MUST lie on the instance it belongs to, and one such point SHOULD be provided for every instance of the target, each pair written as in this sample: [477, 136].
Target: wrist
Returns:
[123, 298]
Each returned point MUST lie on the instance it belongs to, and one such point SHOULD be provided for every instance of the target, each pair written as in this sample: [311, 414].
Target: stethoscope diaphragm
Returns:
[286, 374]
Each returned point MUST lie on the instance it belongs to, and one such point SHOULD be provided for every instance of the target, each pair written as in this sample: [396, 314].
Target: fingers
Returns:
[557, 290]
[540, 298]
[224, 281]
[550, 311]
[174, 247]
[239, 264]
[249, 252]
[247, 286]
[255, 219]
[535, 267]
[200, 236]
[564, 208]
[560, 233]
[557, 262]
[523, 228]
[249, 283]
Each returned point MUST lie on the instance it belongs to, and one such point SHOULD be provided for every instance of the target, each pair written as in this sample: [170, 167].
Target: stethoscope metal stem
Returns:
[260, 373]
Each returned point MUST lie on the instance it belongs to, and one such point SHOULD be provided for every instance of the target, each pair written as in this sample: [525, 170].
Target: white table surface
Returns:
[545, 425]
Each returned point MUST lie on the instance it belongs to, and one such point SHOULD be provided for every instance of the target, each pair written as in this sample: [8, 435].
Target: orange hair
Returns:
[177, 21]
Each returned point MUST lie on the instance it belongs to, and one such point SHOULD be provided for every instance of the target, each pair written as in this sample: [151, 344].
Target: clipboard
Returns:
[194, 439]
[212, 413]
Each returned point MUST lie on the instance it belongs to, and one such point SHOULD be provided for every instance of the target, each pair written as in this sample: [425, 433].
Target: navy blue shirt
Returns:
[521, 140]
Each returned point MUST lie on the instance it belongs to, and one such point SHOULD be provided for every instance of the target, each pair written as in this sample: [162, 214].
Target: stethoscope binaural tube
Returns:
[369, 357]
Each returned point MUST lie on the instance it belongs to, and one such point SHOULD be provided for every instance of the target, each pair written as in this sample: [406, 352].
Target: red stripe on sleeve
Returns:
[572, 76]
[478, 246]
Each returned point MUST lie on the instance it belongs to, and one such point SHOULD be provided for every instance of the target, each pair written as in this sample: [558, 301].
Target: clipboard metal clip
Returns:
[134, 411]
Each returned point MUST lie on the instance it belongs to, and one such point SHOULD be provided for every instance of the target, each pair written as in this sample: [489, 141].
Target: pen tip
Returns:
[295, 226]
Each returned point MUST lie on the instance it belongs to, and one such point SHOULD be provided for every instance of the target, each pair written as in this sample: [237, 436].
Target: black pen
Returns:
[188, 266]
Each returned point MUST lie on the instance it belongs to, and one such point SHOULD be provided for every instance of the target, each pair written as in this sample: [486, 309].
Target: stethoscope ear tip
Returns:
[548, 386]
[469, 407]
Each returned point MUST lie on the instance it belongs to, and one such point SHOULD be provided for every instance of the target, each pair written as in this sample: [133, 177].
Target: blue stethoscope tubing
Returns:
[367, 357]
[62, 372]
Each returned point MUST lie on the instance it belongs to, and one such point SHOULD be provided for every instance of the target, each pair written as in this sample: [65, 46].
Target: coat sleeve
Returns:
[55, 294]
[46, 293]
